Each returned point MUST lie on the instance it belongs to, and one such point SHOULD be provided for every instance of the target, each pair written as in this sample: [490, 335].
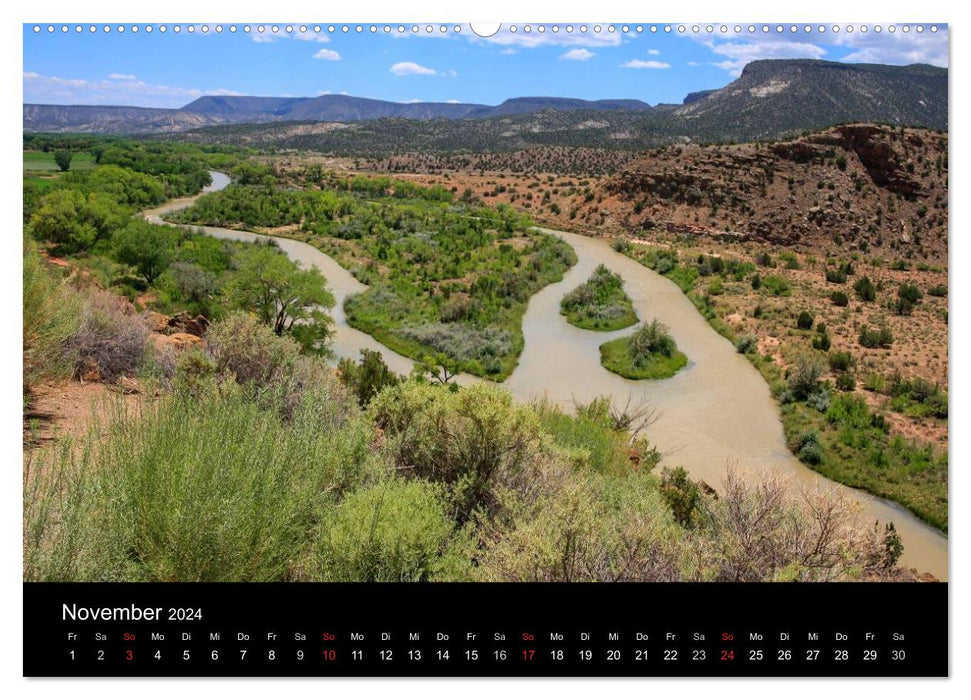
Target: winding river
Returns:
[715, 411]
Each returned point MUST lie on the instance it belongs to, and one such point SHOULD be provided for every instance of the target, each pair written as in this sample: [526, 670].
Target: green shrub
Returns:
[908, 295]
[621, 245]
[594, 529]
[792, 262]
[821, 341]
[875, 337]
[865, 289]
[651, 339]
[763, 259]
[395, 531]
[845, 381]
[682, 496]
[480, 348]
[810, 448]
[51, 317]
[746, 344]
[777, 286]
[835, 276]
[839, 299]
[840, 361]
[474, 440]
[938, 290]
[600, 436]
[804, 377]
[805, 321]
[600, 303]
[368, 376]
[110, 337]
[249, 351]
[210, 488]
[910, 292]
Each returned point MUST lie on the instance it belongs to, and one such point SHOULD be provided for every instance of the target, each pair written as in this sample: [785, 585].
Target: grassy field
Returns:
[41, 162]
[40, 182]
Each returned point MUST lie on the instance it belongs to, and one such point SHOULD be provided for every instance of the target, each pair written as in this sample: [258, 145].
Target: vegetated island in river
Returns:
[447, 277]
[600, 303]
[650, 353]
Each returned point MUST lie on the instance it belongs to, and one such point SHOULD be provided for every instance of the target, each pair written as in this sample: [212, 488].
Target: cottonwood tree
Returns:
[288, 299]
[146, 247]
[63, 159]
[74, 220]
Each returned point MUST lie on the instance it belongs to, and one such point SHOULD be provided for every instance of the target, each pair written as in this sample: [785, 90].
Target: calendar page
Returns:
[512, 349]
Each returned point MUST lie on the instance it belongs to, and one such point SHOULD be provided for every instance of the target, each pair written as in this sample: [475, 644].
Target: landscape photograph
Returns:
[559, 303]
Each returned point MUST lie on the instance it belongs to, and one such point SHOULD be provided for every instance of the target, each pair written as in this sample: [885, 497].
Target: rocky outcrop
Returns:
[886, 166]
[185, 322]
[176, 333]
[861, 186]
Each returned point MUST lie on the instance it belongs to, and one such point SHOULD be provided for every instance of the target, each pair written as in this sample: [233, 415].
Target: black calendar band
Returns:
[539, 630]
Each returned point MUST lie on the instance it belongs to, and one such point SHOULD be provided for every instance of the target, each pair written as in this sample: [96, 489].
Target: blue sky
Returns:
[171, 69]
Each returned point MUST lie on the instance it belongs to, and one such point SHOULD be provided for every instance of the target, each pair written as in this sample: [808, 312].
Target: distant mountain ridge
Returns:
[773, 96]
[219, 109]
[770, 98]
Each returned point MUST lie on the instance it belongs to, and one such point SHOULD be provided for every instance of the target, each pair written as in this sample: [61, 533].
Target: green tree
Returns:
[283, 296]
[367, 377]
[63, 159]
[74, 220]
[127, 187]
[146, 247]
[438, 367]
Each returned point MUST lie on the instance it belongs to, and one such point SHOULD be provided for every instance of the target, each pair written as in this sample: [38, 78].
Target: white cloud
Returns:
[738, 54]
[453, 102]
[693, 63]
[653, 52]
[577, 55]
[121, 76]
[327, 55]
[321, 93]
[411, 68]
[637, 63]
[898, 48]
[454, 73]
[119, 90]
[507, 52]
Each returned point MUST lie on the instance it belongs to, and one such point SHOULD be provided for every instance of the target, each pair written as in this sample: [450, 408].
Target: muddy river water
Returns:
[716, 410]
